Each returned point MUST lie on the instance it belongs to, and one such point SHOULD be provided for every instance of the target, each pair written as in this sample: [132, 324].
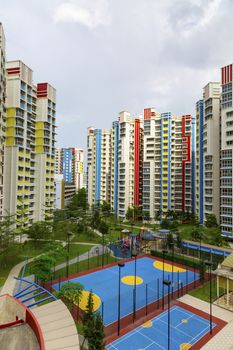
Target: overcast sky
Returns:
[105, 56]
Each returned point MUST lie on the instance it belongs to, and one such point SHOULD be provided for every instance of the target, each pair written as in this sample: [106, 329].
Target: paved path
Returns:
[11, 283]
[94, 251]
[57, 325]
[223, 340]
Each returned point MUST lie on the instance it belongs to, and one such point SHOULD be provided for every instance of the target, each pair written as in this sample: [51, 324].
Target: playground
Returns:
[187, 328]
[104, 284]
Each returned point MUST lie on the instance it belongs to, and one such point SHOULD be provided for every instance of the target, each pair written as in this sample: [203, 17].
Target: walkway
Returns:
[57, 325]
[95, 251]
[10, 284]
[223, 340]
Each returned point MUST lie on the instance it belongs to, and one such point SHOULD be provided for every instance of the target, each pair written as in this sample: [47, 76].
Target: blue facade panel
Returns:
[67, 165]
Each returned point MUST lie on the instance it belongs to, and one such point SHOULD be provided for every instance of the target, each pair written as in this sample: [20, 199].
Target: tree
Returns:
[79, 201]
[55, 250]
[71, 292]
[106, 208]
[137, 212]
[178, 240]
[169, 240]
[7, 229]
[95, 220]
[39, 230]
[93, 326]
[158, 215]
[211, 220]
[42, 267]
[89, 319]
[197, 233]
[165, 224]
[99, 335]
[146, 215]
[103, 227]
[129, 214]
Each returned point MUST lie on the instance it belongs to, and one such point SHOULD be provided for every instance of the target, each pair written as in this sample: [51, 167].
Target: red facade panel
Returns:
[15, 70]
[42, 90]
[148, 113]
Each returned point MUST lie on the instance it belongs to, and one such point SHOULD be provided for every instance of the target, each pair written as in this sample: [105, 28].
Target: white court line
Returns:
[158, 318]
[198, 335]
[187, 318]
[199, 318]
[187, 335]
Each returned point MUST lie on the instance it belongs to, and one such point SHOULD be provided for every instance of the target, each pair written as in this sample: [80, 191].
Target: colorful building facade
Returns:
[30, 146]
[169, 163]
[2, 112]
[226, 155]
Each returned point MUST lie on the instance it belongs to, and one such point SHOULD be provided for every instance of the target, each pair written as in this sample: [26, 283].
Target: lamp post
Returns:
[120, 265]
[168, 284]
[209, 265]
[69, 234]
[102, 249]
[134, 255]
[164, 252]
[172, 246]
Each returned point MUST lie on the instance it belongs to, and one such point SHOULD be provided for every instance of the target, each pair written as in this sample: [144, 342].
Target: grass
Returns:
[15, 254]
[83, 265]
[203, 292]
[75, 250]
[86, 238]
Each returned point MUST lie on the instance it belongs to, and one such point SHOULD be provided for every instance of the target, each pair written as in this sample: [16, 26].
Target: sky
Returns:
[106, 56]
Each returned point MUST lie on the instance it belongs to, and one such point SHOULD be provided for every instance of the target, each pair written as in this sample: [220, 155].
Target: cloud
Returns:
[104, 56]
[193, 15]
[90, 14]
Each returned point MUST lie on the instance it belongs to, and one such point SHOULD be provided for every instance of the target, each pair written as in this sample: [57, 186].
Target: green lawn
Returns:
[86, 238]
[83, 265]
[75, 250]
[203, 292]
[16, 253]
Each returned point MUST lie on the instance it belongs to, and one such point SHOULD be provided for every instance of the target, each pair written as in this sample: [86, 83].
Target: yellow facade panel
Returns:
[10, 112]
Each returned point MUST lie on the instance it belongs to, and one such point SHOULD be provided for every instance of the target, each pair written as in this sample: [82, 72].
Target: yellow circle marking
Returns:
[84, 298]
[167, 267]
[185, 346]
[130, 280]
[184, 320]
[147, 324]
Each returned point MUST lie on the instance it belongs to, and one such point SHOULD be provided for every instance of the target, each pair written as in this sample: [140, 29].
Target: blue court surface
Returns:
[104, 284]
[186, 329]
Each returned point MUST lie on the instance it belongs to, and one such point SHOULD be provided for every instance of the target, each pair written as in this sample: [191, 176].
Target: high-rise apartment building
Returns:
[19, 169]
[169, 163]
[211, 149]
[114, 166]
[98, 166]
[45, 151]
[2, 113]
[199, 178]
[69, 163]
[226, 155]
[78, 159]
[58, 161]
[130, 159]
[29, 150]
[208, 153]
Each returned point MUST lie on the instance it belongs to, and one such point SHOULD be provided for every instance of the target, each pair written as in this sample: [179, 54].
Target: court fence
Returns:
[140, 301]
